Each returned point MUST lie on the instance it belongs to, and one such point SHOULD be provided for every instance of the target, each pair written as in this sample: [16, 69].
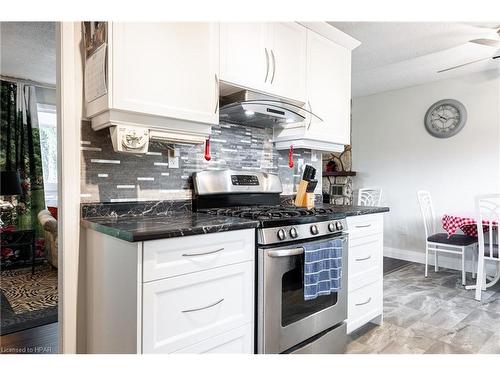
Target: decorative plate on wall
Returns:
[445, 118]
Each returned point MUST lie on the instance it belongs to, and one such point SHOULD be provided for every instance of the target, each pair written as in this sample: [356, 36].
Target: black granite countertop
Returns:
[173, 224]
[134, 221]
[354, 210]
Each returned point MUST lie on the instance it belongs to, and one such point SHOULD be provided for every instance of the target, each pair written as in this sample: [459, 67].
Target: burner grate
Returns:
[268, 212]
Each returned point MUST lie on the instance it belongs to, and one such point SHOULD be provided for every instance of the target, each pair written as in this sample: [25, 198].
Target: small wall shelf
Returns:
[339, 174]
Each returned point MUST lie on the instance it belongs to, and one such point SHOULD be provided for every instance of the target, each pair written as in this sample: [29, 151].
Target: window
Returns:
[47, 122]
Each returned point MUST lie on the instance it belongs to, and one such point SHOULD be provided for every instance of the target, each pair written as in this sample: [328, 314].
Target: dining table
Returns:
[468, 225]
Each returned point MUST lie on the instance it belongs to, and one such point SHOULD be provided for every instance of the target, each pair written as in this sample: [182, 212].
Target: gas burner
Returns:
[268, 215]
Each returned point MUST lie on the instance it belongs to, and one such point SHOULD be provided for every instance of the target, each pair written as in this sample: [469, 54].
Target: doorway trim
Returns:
[69, 97]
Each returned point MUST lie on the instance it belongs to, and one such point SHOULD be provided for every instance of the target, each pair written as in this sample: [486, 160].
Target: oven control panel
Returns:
[267, 236]
[244, 180]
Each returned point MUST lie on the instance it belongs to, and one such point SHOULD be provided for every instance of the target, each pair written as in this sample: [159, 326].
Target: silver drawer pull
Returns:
[364, 303]
[285, 253]
[207, 253]
[362, 259]
[203, 308]
[363, 226]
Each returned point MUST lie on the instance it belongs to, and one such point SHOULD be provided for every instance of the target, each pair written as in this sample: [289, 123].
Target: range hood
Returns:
[251, 108]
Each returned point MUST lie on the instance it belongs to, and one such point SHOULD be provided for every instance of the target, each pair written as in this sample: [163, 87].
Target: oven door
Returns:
[285, 319]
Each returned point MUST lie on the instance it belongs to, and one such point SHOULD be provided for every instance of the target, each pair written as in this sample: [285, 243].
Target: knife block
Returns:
[301, 193]
[304, 199]
[309, 200]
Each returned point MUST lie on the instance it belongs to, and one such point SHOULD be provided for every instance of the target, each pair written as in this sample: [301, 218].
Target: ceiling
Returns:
[28, 50]
[394, 55]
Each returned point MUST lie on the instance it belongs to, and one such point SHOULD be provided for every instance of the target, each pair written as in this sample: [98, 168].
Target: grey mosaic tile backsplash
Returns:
[108, 176]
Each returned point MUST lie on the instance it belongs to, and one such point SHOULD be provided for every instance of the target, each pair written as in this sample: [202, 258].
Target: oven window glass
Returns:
[293, 306]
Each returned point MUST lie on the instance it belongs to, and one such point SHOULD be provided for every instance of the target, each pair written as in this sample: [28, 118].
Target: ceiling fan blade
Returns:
[486, 42]
[471, 62]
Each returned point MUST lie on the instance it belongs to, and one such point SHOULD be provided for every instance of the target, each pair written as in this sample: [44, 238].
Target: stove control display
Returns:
[244, 180]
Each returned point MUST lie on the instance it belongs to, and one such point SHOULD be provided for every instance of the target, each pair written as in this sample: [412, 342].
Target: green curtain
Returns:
[20, 150]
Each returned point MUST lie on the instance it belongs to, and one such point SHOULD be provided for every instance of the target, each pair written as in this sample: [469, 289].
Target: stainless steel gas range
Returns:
[286, 322]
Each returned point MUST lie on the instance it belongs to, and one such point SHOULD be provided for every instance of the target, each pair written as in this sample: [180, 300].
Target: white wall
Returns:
[392, 149]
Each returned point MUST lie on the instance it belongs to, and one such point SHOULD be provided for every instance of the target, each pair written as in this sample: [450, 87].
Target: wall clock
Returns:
[445, 118]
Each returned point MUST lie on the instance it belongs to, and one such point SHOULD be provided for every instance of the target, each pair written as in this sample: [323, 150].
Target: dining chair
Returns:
[440, 242]
[369, 196]
[487, 211]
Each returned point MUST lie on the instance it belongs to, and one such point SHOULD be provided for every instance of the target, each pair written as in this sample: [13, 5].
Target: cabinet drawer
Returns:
[365, 261]
[182, 255]
[239, 340]
[365, 304]
[365, 225]
[184, 310]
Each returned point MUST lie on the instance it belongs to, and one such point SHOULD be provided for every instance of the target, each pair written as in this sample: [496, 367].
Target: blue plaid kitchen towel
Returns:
[322, 268]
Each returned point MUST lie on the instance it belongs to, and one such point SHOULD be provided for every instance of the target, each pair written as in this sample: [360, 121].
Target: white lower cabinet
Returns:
[191, 294]
[365, 270]
[181, 311]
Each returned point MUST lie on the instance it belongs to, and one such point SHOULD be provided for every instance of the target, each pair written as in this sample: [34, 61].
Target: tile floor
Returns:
[431, 315]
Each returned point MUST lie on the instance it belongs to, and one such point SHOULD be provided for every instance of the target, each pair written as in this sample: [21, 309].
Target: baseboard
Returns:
[449, 261]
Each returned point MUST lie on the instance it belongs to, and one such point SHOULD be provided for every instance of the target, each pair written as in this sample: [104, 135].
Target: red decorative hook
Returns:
[290, 157]
[207, 150]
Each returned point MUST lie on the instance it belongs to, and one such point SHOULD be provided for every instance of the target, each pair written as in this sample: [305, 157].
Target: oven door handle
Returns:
[285, 252]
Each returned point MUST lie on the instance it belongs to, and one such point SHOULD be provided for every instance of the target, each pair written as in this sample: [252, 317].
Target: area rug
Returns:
[27, 300]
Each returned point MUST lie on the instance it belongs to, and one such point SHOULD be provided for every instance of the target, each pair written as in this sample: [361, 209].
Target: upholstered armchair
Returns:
[49, 225]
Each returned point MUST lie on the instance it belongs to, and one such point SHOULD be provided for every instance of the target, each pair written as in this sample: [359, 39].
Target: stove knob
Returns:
[331, 227]
[339, 225]
[281, 234]
[293, 233]
[314, 229]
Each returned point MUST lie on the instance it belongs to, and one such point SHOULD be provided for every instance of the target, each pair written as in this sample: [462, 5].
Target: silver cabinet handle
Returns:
[285, 253]
[207, 253]
[362, 259]
[267, 65]
[363, 226]
[204, 307]
[274, 65]
[364, 303]
[310, 116]
[216, 93]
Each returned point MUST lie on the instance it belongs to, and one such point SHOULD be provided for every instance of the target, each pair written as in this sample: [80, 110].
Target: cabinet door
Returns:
[364, 304]
[365, 260]
[181, 255]
[329, 89]
[288, 60]
[167, 69]
[245, 54]
[181, 311]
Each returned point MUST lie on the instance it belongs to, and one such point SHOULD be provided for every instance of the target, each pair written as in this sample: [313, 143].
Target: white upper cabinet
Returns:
[165, 71]
[267, 57]
[288, 60]
[165, 76]
[328, 86]
[244, 56]
[329, 89]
